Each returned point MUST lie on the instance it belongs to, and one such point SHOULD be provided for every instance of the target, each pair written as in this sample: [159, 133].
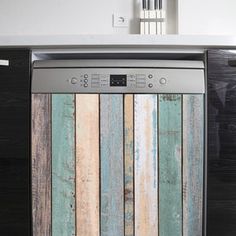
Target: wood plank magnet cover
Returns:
[114, 164]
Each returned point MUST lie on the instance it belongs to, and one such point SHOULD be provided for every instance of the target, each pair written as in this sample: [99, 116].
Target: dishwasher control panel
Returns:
[114, 80]
[118, 80]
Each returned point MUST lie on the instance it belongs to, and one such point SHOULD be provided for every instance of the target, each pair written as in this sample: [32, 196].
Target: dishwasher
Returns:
[118, 147]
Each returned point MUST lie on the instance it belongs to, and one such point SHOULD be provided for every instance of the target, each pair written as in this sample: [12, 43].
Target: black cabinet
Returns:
[221, 218]
[15, 212]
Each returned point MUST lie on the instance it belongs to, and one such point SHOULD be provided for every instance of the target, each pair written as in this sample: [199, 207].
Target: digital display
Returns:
[118, 80]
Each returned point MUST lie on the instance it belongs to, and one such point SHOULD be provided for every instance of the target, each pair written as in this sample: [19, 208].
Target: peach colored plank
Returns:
[87, 165]
[146, 167]
[129, 162]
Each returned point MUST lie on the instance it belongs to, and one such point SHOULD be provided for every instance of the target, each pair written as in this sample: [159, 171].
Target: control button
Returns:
[95, 76]
[74, 80]
[104, 76]
[95, 85]
[132, 76]
[140, 77]
[150, 76]
[150, 85]
[141, 85]
[85, 85]
[86, 80]
[163, 81]
[85, 76]
[95, 81]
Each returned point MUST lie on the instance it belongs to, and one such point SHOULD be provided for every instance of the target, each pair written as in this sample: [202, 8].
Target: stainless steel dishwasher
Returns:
[118, 147]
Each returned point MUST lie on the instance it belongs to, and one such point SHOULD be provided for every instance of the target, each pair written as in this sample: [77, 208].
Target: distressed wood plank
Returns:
[170, 177]
[112, 186]
[87, 164]
[41, 164]
[146, 167]
[193, 148]
[63, 165]
[129, 163]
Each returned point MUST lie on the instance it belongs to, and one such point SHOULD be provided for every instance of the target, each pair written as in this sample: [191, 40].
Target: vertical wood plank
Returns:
[112, 186]
[193, 148]
[170, 172]
[87, 164]
[41, 164]
[146, 171]
[63, 165]
[129, 163]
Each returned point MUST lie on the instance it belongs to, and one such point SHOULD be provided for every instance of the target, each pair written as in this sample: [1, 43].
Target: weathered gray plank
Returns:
[41, 164]
[193, 157]
[112, 186]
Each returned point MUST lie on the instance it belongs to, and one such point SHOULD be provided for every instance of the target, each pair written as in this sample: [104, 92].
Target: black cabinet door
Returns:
[221, 143]
[14, 143]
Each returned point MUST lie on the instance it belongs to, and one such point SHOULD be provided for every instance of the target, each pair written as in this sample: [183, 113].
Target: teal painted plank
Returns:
[146, 165]
[112, 186]
[63, 165]
[170, 178]
[193, 158]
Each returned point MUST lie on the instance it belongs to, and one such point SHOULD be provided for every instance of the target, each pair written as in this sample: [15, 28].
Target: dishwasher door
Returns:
[118, 150]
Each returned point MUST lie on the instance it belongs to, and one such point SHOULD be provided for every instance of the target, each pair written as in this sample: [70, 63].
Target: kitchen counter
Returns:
[120, 41]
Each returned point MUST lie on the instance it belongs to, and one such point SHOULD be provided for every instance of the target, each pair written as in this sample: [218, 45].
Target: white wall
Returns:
[207, 17]
[40, 17]
[30, 17]
[19, 17]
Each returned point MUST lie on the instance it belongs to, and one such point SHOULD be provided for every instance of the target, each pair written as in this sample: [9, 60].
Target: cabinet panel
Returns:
[221, 143]
[14, 142]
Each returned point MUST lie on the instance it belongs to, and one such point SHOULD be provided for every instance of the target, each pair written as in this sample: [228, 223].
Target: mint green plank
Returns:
[63, 165]
[112, 186]
[170, 178]
[193, 157]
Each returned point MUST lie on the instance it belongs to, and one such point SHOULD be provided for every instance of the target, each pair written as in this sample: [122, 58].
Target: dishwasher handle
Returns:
[4, 62]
